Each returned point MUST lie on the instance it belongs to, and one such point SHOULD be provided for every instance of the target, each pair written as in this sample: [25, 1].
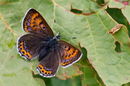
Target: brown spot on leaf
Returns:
[115, 29]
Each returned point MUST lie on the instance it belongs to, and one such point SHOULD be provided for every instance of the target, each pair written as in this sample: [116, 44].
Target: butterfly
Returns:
[40, 42]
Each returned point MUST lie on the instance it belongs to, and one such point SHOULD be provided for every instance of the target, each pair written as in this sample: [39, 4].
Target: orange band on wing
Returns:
[35, 21]
[23, 51]
[31, 22]
[70, 51]
[71, 54]
[65, 63]
[42, 69]
[34, 15]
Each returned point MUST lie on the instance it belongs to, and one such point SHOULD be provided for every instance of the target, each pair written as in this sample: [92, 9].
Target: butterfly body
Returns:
[52, 42]
[40, 42]
[49, 45]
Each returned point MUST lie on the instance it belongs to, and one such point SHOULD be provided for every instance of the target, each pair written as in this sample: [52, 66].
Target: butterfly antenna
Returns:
[57, 36]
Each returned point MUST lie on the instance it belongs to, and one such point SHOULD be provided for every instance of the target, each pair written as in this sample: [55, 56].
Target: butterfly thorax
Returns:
[50, 46]
[52, 42]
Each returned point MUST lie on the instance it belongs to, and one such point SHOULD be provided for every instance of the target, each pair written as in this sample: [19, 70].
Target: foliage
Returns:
[106, 56]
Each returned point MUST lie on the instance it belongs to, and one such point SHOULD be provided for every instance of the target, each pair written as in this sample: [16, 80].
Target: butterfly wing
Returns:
[33, 22]
[69, 54]
[29, 45]
[49, 64]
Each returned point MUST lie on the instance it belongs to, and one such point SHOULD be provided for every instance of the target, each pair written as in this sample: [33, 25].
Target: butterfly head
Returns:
[57, 37]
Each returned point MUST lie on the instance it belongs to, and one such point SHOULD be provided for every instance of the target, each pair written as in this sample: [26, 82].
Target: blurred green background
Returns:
[106, 57]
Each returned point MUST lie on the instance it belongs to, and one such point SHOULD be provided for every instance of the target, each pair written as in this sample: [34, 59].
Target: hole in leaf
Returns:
[100, 2]
[77, 11]
[118, 47]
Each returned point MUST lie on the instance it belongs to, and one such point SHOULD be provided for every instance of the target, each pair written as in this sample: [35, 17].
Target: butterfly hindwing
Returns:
[48, 66]
[29, 45]
[69, 54]
[33, 22]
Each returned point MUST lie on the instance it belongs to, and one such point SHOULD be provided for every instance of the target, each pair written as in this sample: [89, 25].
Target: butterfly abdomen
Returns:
[43, 53]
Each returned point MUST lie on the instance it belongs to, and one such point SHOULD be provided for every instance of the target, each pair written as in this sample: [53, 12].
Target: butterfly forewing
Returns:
[33, 22]
[69, 54]
[29, 45]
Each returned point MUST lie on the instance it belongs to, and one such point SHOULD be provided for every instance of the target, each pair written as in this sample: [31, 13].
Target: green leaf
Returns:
[90, 31]
[115, 4]
[86, 7]
[126, 11]
[75, 81]
[89, 76]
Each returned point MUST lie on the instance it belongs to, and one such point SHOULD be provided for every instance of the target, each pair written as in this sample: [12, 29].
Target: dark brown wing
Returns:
[33, 22]
[48, 66]
[29, 45]
[69, 54]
